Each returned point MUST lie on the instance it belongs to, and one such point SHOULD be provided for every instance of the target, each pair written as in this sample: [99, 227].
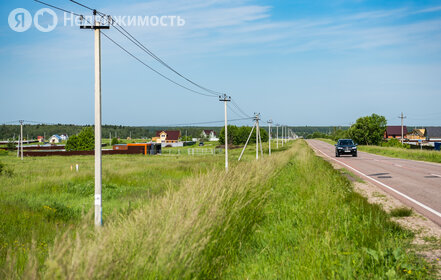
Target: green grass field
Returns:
[424, 155]
[290, 216]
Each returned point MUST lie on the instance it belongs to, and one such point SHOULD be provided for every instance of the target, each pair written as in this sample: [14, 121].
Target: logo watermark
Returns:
[46, 20]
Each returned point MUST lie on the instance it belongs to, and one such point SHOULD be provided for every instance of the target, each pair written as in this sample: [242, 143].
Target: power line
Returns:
[84, 6]
[129, 36]
[210, 122]
[142, 62]
[154, 70]
[145, 49]
[238, 108]
[60, 9]
[234, 111]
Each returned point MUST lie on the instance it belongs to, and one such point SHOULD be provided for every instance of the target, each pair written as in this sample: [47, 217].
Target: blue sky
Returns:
[296, 62]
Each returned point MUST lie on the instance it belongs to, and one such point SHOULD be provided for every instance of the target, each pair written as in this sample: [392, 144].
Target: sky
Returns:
[297, 62]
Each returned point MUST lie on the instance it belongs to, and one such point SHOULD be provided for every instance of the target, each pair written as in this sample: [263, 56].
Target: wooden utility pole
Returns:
[402, 117]
[257, 118]
[98, 158]
[269, 137]
[226, 99]
[282, 135]
[21, 138]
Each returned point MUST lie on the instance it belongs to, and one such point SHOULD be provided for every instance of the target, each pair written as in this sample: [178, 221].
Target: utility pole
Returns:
[277, 132]
[21, 138]
[282, 135]
[226, 99]
[402, 117]
[18, 146]
[110, 139]
[257, 118]
[96, 27]
[269, 138]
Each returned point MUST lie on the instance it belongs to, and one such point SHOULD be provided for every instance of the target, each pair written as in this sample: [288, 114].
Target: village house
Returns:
[55, 139]
[209, 134]
[417, 134]
[433, 133]
[394, 131]
[167, 136]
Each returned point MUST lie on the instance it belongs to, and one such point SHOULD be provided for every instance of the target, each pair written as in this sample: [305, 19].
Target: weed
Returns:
[401, 212]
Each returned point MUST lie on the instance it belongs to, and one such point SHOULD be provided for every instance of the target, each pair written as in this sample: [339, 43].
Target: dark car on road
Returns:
[345, 147]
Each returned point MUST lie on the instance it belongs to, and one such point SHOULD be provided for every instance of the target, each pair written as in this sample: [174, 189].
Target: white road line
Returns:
[397, 165]
[386, 186]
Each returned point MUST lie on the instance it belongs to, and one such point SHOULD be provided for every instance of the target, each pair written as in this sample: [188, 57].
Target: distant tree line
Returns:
[122, 132]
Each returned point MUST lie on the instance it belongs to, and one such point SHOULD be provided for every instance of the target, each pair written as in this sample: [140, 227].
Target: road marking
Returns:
[397, 165]
[436, 175]
[384, 185]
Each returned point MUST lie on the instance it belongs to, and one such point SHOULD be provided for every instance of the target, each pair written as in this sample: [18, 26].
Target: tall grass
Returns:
[317, 227]
[192, 232]
[43, 197]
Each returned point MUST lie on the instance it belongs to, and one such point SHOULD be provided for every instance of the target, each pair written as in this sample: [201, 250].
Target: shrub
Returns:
[395, 143]
[114, 141]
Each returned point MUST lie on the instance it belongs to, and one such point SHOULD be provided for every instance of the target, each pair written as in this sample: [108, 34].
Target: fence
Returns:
[192, 151]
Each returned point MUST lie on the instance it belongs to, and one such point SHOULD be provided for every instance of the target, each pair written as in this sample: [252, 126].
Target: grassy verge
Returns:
[424, 155]
[191, 231]
[317, 227]
[430, 156]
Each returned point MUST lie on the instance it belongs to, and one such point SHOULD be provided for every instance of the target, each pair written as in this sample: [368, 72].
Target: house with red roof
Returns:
[394, 131]
[167, 136]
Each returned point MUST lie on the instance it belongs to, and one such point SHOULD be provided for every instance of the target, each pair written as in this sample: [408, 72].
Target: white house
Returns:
[64, 137]
[210, 134]
[55, 139]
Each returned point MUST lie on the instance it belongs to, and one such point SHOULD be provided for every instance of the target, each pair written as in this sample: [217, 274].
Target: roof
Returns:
[417, 131]
[207, 132]
[56, 136]
[395, 130]
[433, 132]
[171, 134]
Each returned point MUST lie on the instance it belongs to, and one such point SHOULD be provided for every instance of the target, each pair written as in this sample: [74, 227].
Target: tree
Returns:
[72, 143]
[84, 141]
[11, 145]
[239, 135]
[232, 135]
[368, 130]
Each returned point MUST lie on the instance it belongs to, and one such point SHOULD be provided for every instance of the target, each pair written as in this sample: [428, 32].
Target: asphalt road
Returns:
[417, 184]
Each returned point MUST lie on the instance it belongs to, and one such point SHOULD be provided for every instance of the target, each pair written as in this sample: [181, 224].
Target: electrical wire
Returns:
[154, 70]
[238, 108]
[60, 9]
[210, 122]
[129, 36]
[124, 49]
[234, 111]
